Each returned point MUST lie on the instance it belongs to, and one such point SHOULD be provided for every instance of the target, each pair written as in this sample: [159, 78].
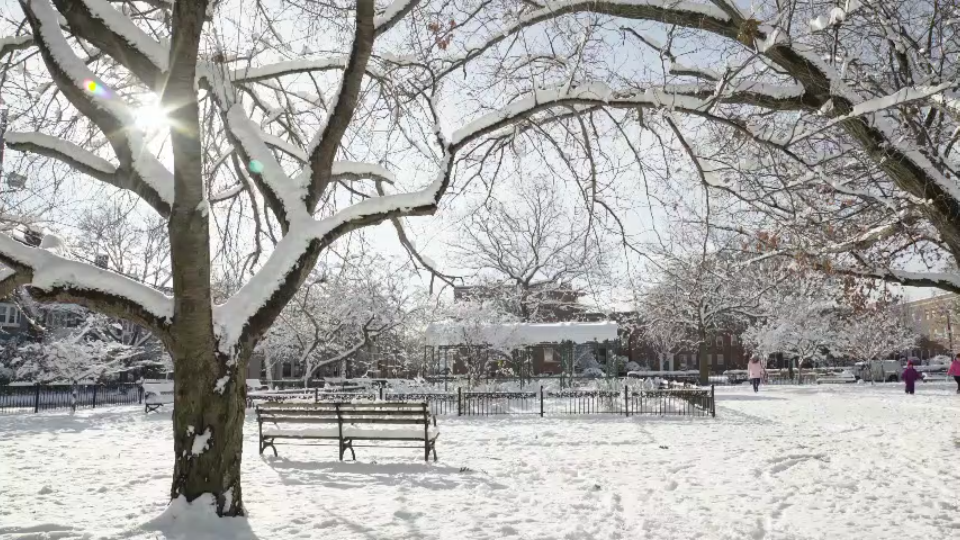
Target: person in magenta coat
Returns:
[954, 371]
[910, 377]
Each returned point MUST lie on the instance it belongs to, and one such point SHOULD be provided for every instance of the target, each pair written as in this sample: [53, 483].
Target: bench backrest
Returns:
[347, 413]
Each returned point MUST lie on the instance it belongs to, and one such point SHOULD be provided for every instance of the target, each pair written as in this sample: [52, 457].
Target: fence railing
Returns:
[36, 398]
[630, 401]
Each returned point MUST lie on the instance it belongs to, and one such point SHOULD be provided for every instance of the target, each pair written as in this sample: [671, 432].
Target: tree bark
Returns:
[704, 359]
[208, 428]
[209, 399]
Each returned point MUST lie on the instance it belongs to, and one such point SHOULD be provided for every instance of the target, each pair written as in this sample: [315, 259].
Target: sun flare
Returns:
[151, 117]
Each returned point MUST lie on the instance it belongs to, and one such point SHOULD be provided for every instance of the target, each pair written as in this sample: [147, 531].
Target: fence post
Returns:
[713, 401]
[541, 401]
[140, 395]
[36, 400]
[459, 401]
[95, 396]
[316, 395]
[626, 399]
[380, 389]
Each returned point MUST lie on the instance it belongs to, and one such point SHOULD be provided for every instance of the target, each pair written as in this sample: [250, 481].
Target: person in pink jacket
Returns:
[755, 372]
[954, 371]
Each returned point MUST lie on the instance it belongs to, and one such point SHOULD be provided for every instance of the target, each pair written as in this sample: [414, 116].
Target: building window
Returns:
[287, 370]
[9, 315]
[719, 359]
[549, 356]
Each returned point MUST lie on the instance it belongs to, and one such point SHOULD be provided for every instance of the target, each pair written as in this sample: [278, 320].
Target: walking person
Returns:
[954, 371]
[755, 372]
[910, 376]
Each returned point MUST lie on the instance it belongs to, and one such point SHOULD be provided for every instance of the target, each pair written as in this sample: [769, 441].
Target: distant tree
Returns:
[530, 252]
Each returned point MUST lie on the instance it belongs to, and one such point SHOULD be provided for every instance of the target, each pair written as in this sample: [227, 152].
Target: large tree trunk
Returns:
[209, 399]
[704, 359]
[208, 427]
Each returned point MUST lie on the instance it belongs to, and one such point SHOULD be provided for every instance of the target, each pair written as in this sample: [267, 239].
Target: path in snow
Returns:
[790, 463]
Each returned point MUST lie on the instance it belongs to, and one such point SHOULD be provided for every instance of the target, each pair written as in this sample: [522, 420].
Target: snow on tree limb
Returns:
[680, 12]
[693, 99]
[354, 170]
[65, 151]
[292, 67]
[345, 104]
[51, 274]
[147, 176]
[99, 23]
[305, 237]
[15, 43]
[394, 13]
[263, 165]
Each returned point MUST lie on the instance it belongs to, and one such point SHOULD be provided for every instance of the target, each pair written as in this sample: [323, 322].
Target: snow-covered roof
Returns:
[519, 334]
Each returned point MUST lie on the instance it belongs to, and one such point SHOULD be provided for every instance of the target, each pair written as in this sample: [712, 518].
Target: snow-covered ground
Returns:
[834, 462]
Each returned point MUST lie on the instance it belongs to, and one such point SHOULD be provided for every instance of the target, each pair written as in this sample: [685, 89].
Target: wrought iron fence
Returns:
[36, 398]
[630, 401]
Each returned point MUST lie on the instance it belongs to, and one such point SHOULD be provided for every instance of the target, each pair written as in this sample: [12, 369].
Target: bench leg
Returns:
[347, 444]
[265, 443]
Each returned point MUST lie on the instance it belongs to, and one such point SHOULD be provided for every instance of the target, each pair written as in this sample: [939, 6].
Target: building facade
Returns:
[935, 319]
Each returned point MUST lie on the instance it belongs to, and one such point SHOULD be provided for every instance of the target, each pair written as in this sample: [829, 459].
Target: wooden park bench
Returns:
[156, 396]
[347, 423]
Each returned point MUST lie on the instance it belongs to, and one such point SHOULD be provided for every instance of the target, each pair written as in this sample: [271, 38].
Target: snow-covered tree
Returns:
[875, 332]
[531, 251]
[484, 340]
[836, 123]
[339, 312]
[801, 328]
[258, 153]
[93, 347]
[697, 296]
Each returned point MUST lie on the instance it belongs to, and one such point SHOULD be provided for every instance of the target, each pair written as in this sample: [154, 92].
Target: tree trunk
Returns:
[704, 359]
[209, 390]
[790, 367]
[208, 428]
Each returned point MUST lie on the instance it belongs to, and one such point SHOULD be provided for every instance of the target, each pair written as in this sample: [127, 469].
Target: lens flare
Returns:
[95, 88]
[256, 167]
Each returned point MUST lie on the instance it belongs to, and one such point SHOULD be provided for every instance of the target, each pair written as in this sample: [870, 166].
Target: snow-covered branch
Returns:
[259, 298]
[292, 67]
[51, 276]
[101, 105]
[345, 104]
[394, 13]
[15, 43]
[109, 30]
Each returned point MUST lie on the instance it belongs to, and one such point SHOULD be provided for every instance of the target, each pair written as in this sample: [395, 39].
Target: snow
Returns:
[15, 41]
[358, 170]
[350, 430]
[51, 271]
[64, 147]
[439, 334]
[392, 11]
[121, 25]
[201, 442]
[805, 463]
[253, 74]
[151, 171]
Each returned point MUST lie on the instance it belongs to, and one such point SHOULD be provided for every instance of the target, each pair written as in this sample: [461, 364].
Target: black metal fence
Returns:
[663, 402]
[36, 398]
